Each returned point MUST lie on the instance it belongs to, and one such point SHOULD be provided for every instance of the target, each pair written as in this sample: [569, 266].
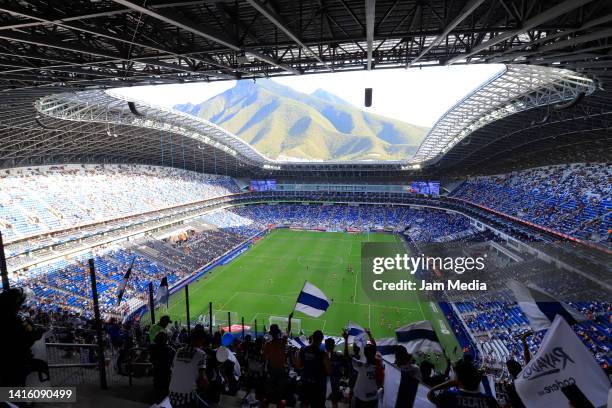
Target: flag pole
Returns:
[123, 288]
[187, 309]
[3, 269]
[98, 325]
[151, 303]
[210, 317]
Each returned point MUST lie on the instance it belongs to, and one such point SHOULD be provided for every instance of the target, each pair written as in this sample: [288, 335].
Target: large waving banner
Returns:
[561, 361]
[402, 391]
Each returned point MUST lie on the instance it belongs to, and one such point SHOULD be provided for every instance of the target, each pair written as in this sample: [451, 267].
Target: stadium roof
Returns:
[53, 48]
[121, 42]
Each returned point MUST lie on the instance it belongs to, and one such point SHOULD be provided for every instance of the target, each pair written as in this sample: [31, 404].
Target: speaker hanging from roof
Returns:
[368, 97]
[133, 109]
[541, 121]
[44, 126]
[573, 102]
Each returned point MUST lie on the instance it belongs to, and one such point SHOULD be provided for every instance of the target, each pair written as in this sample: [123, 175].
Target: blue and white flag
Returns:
[418, 337]
[298, 342]
[386, 348]
[162, 293]
[487, 386]
[357, 334]
[312, 301]
[541, 308]
[402, 390]
[124, 283]
[302, 341]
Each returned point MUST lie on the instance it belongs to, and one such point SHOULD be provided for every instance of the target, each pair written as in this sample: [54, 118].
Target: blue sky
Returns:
[416, 95]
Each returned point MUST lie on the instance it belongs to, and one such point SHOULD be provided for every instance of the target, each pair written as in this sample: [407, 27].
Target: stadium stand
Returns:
[208, 237]
[524, 160]
[573, 199]
[42, 199]
[487, 329]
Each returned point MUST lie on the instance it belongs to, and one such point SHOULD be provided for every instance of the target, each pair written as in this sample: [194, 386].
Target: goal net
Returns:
[221, 319]
[296, 324]
[203, 319]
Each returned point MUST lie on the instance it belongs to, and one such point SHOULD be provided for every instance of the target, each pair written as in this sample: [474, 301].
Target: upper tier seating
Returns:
[40, 199]
[574, 199]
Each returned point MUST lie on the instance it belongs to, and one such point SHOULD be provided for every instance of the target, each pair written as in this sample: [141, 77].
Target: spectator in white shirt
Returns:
[188, 375]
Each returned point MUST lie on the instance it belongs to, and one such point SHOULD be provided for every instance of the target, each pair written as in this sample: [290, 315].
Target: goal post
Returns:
[282, 322]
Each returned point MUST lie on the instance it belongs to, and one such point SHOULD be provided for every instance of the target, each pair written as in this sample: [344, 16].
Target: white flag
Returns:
[540, 307]
[312, 301]
[401, 390]
[357, 334]
[419, 337]
[562, 360]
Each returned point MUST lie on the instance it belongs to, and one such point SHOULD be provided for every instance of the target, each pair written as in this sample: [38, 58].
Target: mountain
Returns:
[283, 123]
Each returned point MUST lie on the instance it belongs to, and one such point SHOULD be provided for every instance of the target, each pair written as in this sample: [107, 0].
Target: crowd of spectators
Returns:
[65, 283]
[424, 224]
[493, 331]
[574, 199]
[41, 199]
[202, 368]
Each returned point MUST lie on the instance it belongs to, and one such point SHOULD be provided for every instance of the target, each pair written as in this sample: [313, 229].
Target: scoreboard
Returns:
[263, 185]
[430, 188]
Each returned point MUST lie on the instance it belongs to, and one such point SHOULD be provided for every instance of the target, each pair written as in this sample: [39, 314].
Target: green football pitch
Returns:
[265, 280]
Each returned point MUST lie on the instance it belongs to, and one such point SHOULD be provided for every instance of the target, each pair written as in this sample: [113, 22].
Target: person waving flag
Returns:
[311, 301]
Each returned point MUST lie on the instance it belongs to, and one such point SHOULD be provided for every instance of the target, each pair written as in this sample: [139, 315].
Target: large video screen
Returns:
[431, 188]
[263, 185]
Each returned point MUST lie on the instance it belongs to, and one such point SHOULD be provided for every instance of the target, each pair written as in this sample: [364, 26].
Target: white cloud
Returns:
[418, 96]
